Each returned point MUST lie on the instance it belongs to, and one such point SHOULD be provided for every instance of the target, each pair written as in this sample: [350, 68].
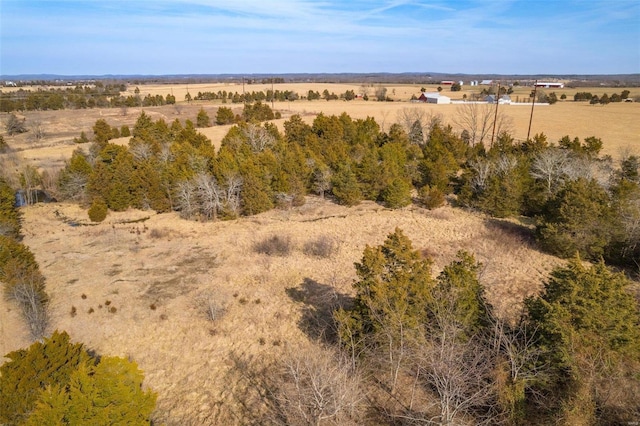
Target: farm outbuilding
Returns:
[434, 98]
[549, 85]
[504, 99]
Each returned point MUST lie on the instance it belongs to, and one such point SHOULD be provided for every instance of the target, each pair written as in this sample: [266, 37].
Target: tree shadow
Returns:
[504, 231]
[320, 301]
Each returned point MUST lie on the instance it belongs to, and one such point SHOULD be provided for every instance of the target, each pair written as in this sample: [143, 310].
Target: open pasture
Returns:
[617, 124]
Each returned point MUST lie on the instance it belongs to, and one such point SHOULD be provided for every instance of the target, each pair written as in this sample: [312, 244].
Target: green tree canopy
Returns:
[58, 382]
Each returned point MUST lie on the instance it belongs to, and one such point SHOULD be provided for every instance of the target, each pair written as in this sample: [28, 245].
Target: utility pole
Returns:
[244, 98]
[535, 87]
[495, 118]
[273, 94]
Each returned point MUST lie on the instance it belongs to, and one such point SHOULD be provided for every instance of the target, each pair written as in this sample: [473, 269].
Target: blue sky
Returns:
[297, 36]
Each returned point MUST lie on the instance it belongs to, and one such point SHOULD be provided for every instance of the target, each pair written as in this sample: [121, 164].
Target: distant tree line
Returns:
[604, 99]
[78, 97]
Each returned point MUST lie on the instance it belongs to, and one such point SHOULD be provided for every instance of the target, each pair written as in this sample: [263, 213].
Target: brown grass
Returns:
[183, 357]
[151, 273]
[618, 125]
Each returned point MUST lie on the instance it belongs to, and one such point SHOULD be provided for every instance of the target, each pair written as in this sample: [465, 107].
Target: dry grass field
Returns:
[152, 274]
[618, 125]
[134, 285]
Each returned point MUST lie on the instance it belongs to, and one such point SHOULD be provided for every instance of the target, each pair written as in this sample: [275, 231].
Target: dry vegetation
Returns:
[618, 125]
[154, 269]
[192, 302]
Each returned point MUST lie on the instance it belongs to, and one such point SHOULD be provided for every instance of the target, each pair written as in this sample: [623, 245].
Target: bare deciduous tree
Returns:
[209, 303]
[186, 198]
[550, 167]
[459, 371]
[232, 190]
[258, 137]
[210, 195]
[322, 180]
[30, 179]
[381, 93]
[14, 125]
[141, 151]
[73, 186]
[315, 388]
[478, 120]
[37, 130]
[483, 170]
[27, 290]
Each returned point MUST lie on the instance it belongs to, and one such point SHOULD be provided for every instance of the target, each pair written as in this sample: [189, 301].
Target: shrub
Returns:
[430, 197]
[322, 246]
[24, 284]
[98, 210]
[29, 371]
[275, 245]
[4, 147]
[397, 194]
[203, 120]
[210, 305]
[15, 125]
[58, 382]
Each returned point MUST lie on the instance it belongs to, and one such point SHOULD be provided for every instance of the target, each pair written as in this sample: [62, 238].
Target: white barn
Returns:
[434, 98]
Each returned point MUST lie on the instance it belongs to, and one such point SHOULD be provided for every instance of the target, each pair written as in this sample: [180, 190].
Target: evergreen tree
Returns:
[203, 120]
[345, 186]
[102, 132]
[397, 194]
[578, 219]
[98, 210]
[224, 115]
[58, 382]
[459, 296]
[393, 289]
[9, 214]
[589, 331]
[29, 371]
[104, 394]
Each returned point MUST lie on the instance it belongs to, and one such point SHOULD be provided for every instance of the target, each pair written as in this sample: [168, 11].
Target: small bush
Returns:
[322, 246]
[113, 310]
[275, 246]
[158, 233]
[74, 311]
[210, 305]
[84, 296]
[98, 210]
[430, 197]
[90, 311]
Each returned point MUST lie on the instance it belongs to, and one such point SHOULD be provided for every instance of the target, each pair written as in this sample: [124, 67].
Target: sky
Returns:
[160, 37]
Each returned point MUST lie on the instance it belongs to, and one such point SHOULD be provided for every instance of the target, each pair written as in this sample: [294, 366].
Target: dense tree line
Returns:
[254, 96]
[22, 281]
[587, 96]
[269, 95]
[581, 202]
[78, 97]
